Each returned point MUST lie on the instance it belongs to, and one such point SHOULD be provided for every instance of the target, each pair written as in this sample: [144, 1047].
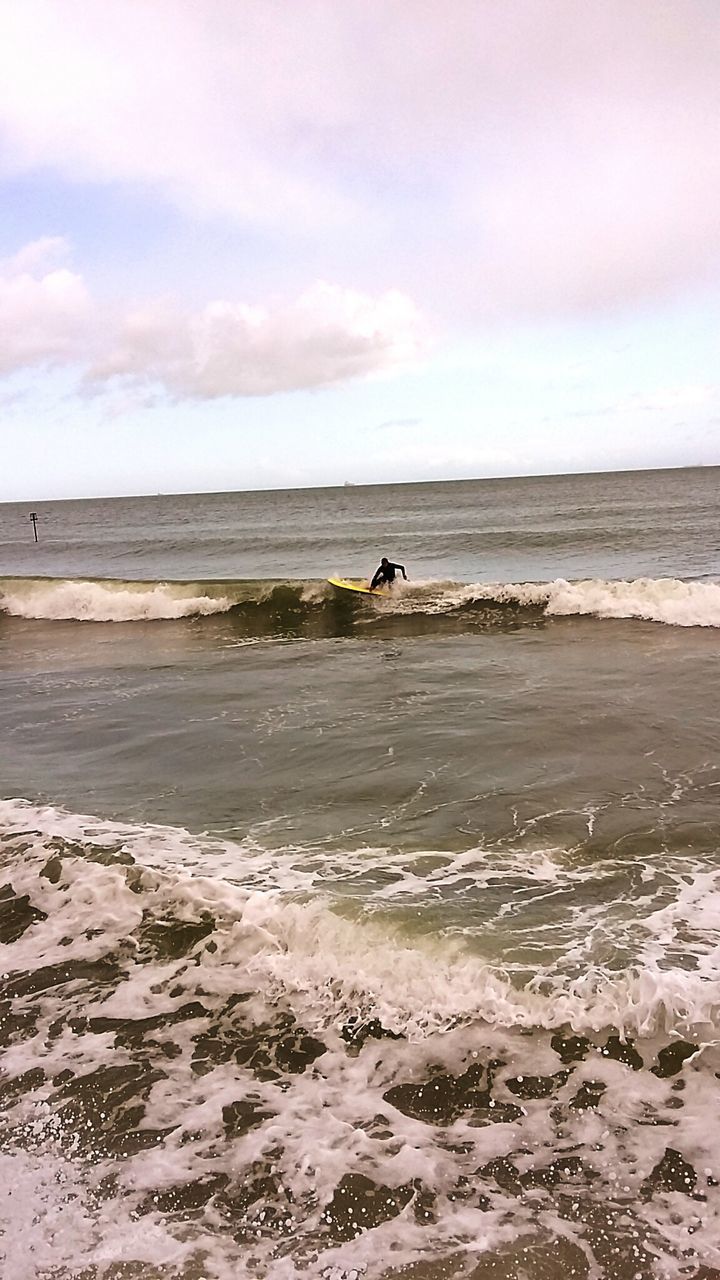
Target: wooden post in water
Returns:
[33, 517]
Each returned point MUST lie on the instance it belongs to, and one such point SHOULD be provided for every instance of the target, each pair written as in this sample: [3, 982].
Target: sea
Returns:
[362, 938]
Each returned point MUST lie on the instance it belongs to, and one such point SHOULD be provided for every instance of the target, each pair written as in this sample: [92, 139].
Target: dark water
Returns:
[391, 944]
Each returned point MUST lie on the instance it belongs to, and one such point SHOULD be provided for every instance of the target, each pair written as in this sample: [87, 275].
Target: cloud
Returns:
[200, 108]
[38, 253]
[495, 157]
[326, 335]
[44, 319]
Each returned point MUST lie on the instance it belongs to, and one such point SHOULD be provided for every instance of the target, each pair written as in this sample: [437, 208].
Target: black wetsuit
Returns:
[386, 573]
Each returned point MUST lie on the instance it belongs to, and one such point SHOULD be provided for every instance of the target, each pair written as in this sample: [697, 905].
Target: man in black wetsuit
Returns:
[385, 573]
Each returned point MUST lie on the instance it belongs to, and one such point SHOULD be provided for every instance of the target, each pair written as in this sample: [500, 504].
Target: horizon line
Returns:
[361, 484]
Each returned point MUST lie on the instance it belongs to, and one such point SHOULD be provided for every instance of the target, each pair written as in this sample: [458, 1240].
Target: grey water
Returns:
[620, 524]
[358, 935]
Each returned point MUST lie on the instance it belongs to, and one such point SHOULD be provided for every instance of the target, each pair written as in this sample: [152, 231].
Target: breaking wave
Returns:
[664, 600]
[213, 1072]
[86, 600]
[277, 920]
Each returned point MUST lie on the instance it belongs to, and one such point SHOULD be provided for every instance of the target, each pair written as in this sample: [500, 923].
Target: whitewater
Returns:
[362, 939]
[274, 1009]
[665, 600]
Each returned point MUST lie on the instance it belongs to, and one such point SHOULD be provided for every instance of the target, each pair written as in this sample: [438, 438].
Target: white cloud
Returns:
[44, 319]
[325, 336]
[519, 155]
[198, 106]
[38, 253]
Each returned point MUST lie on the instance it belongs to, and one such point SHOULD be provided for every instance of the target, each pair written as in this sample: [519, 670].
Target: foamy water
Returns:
[353, 938]
[105, 601]
[360, 1073]
[669, 601]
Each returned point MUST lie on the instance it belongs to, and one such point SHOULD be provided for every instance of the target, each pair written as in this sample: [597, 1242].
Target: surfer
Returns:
[385, 573]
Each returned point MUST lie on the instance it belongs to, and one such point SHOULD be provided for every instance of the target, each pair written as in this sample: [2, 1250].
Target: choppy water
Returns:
[350, 937]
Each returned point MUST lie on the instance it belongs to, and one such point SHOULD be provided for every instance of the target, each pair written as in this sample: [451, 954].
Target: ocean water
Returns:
[348, 937]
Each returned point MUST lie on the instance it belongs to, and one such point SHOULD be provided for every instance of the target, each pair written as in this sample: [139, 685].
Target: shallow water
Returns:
[391, 945]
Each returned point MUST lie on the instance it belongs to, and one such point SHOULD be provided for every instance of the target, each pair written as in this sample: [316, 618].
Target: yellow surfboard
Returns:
[358, 585]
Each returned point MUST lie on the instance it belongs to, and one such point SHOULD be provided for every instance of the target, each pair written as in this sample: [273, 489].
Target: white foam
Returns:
[106, 601]
[284, 949]
[667, 600]
[332, 967]
[51, 1217]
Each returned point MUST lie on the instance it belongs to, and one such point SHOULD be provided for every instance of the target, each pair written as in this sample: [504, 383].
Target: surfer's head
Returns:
[384, 560]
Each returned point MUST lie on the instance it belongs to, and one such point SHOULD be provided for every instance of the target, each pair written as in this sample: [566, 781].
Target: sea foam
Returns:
[663, 600]
[87, 601]
[295, 1092]
[274, 922]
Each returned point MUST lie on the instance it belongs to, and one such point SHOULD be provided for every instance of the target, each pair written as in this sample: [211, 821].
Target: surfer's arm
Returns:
[376, 578]
[401, 567]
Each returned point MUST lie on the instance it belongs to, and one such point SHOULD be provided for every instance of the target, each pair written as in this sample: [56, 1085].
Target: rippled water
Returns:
[350, 937]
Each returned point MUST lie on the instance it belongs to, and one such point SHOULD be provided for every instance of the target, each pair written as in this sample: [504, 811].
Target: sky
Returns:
[268, 243]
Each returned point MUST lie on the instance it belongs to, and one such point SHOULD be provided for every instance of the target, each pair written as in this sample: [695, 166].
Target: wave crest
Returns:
[664, 600]
[105, 601]
[330, 967]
